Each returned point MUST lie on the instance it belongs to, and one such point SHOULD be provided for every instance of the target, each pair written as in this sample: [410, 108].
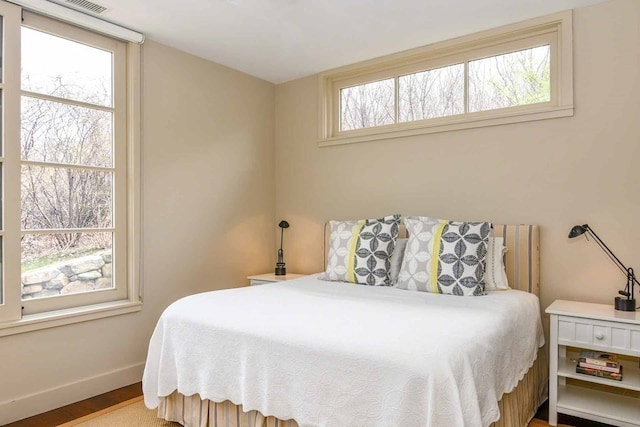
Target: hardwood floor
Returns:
[80, 409]
[97, 403]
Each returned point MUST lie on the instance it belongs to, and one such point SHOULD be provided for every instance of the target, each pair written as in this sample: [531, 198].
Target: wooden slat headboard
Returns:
[522, 260]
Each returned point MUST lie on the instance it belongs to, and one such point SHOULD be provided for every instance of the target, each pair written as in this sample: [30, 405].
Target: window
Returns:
[367, 105]
[430, 94]
[510, 80]
[69, 175]
[521, 72]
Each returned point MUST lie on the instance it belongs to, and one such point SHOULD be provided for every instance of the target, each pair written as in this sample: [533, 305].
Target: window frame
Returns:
[16, 315]
[553, 30]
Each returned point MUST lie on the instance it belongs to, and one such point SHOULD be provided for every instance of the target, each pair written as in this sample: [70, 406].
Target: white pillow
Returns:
[495, 278]
[396, 259]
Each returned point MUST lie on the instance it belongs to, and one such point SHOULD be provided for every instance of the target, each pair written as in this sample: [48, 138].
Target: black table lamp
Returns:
[280, 266]
[621, 304]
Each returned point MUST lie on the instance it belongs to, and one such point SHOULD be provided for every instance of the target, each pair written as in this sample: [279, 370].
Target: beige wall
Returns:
[555, 173]
[208, 177]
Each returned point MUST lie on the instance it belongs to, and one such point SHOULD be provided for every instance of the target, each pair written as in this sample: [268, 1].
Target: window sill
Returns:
[52, 319]
[450, 124]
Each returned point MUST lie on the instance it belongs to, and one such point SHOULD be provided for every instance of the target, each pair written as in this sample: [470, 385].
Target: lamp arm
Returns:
[633, 277]
[606, 249]
[631, 280]
[628, 304]
[281, 238]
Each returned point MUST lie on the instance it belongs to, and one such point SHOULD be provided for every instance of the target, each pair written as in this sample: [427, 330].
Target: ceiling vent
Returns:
[85, 5]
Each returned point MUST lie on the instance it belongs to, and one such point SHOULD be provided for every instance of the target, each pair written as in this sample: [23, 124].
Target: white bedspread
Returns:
[335, 354]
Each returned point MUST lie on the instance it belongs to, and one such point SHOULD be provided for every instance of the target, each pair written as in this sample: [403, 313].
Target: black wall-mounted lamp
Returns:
[621, 304]
[280, 265]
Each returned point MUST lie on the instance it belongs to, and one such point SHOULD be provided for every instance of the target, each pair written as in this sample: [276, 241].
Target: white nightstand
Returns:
[261, 279]
[594, 327]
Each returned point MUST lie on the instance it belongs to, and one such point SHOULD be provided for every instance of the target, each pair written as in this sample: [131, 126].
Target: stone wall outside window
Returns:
[83, 274]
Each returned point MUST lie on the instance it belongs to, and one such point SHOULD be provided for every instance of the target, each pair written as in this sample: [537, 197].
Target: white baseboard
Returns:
[46, 400]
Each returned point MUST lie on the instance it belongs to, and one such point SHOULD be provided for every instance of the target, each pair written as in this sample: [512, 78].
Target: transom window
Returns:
[516, 73]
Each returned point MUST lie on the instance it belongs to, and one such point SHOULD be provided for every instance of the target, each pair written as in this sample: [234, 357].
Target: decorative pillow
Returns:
[445, 257]
[396, 259]
[495, 278]
[360, 251]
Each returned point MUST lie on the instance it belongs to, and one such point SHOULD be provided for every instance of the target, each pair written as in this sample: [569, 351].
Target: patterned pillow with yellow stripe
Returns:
[360, 251]
[444, 257]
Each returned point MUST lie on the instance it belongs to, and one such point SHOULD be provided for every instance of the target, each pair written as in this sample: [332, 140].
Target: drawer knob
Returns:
[599, 336]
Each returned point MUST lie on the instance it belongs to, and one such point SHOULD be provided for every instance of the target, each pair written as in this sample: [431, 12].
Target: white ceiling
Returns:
[281, 40]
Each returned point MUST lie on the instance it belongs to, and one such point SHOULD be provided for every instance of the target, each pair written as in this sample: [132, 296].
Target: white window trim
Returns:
[118, 169]
[557, 28]
[16, 323]
[52, 319]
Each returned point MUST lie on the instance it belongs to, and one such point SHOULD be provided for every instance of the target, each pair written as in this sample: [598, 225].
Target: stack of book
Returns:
[599, 364]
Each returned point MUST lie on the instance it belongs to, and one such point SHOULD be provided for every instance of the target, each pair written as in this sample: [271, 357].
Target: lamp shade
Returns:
[283, 224]
[578, 230]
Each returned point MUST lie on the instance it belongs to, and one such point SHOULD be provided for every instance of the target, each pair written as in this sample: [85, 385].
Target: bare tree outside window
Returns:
[501, 81]
[367, 105]
[430, 94]
[513, 79]
[55, 132]
[66, 150]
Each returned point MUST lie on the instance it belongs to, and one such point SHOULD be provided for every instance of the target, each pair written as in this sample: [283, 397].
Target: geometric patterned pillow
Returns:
[445, 257]
[360, 251]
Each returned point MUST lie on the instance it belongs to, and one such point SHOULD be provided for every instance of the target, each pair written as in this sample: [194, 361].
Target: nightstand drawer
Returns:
[597, 334]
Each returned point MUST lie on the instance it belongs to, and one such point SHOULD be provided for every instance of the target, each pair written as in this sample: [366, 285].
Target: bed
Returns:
[309, 352]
